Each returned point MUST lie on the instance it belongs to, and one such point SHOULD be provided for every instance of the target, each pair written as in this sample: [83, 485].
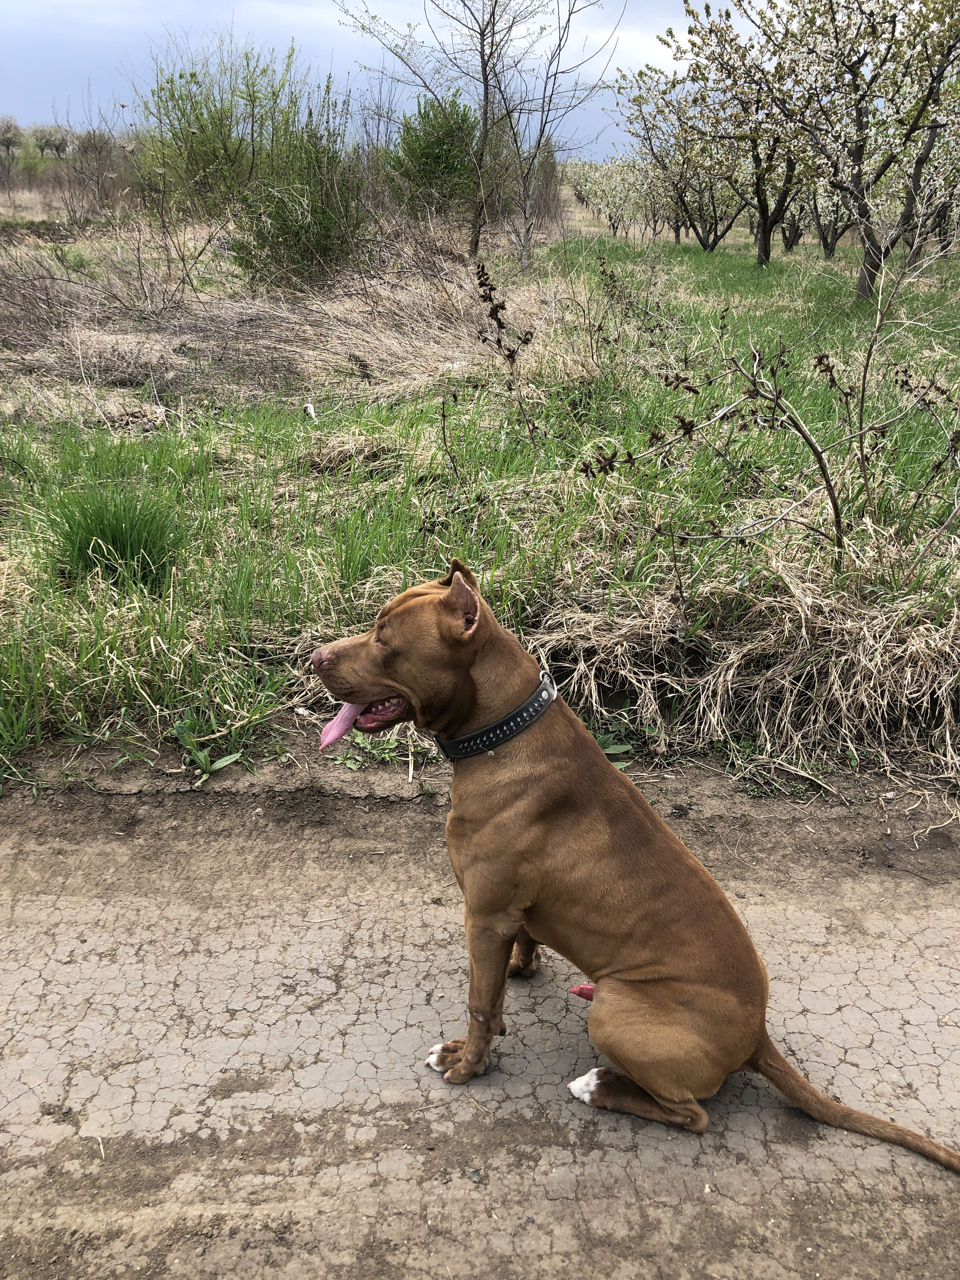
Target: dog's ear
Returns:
[464, 603]
[457, 566]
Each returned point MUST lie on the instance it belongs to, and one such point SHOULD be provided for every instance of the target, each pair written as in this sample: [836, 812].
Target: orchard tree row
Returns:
[834, 118]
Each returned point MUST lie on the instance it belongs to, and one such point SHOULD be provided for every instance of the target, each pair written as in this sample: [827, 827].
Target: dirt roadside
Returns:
[216, 1005]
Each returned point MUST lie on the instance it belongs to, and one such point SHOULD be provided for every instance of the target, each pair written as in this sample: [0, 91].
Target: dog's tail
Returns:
[769, 1062]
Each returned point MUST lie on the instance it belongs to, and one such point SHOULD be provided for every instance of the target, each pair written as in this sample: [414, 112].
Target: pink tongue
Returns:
[342, 725]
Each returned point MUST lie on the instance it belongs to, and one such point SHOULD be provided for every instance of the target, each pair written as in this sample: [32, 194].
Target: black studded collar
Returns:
[495, 735]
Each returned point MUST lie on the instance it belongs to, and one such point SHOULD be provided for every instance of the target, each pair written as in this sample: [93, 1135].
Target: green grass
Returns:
[679, 583]
[116, 530]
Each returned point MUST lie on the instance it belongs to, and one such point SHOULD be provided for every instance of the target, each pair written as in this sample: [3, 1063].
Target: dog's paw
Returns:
[584, 1087]
[520, 967]
[435, 1057]
[450, 1059]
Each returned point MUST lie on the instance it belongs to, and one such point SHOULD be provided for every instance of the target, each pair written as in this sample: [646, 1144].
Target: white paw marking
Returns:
[583, 1087]
[433, 1057]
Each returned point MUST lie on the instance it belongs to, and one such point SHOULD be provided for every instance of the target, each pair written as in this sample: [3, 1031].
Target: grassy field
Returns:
[720, 503]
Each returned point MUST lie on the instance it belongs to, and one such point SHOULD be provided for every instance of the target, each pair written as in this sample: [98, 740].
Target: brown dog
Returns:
[551, 844]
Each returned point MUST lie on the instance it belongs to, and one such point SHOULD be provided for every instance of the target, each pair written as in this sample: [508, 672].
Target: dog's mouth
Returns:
[369, 717]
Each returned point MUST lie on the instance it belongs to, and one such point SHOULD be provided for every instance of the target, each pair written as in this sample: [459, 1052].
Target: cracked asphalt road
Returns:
[216, 1006]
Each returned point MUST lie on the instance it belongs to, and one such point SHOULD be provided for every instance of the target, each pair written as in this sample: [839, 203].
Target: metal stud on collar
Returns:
[494, 735]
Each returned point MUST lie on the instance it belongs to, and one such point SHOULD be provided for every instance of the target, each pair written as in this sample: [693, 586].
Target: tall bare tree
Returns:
[509, 59]
[538, 91]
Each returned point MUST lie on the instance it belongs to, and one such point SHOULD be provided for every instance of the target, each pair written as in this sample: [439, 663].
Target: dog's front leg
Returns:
[489, 944]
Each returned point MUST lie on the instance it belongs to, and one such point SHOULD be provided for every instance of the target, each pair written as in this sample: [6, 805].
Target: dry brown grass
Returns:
[114, 312]
[125, 309]
[803, 675]
[21, 204]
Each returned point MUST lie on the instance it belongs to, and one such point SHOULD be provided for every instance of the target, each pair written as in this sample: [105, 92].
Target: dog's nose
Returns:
[318, 658]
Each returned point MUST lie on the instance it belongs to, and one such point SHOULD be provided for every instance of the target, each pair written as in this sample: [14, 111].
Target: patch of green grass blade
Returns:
[121, 531]
[21, 672]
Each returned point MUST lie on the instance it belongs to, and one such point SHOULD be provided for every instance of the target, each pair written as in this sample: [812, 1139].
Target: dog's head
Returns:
[413, 663]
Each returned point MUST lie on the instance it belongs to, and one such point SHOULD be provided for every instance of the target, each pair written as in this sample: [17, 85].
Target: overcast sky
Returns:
[58, 55]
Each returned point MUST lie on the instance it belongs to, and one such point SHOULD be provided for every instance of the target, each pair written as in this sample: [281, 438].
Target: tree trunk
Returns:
[869, 270]
[791, 231]
[527, 224]
[476, 225]
[478, 211]
[764, 242]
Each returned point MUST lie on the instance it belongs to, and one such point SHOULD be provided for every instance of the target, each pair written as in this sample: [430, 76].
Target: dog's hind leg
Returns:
[666, 1052]
[525, 958]
[604, 1088]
